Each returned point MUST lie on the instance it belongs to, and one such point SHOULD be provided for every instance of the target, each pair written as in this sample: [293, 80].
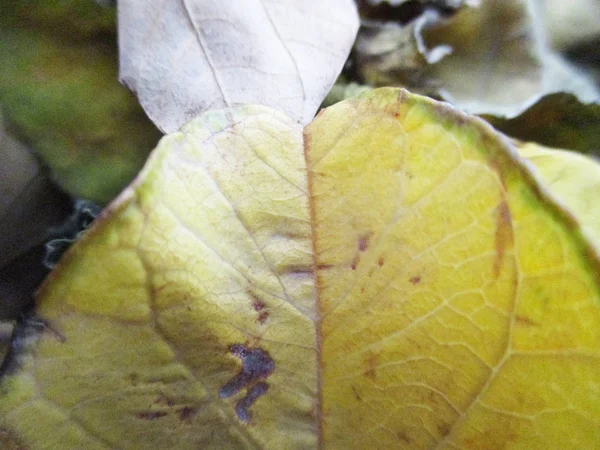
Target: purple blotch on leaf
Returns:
[241, 408]
[256, 365]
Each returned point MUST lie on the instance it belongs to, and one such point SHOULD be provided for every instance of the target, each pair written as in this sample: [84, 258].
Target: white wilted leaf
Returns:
[186, 56]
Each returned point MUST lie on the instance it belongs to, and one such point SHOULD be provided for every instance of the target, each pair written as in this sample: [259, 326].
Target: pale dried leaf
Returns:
[502, 63]
[490, 59]
[188, 56]
[571, 23]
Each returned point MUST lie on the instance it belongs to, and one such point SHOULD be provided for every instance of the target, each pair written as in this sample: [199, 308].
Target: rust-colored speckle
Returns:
[504, 238]
[371, 365]
[151, 415]
[356, 394]
[355, 261]
[415, 280]
[262, 317]
[525, 321]
[324, 266]
[380, 261]
[363, 241]
[259, 306]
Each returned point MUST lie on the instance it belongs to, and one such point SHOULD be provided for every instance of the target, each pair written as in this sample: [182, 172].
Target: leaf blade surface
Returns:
[409, 284]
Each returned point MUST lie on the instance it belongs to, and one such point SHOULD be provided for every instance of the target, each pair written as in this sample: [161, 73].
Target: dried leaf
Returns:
[491, 59]
[501, 64]
[392, 54]
[570, 24]
[188, 56]
[393, 277]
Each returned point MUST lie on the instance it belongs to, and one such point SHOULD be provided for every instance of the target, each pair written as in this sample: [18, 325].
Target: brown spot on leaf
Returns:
[526, 321]
[415, 279]
[324, 266]
[404, 437]
[355, 261]
[151, 415]
[380, 261]
[299, 270]
[262, 317]
[259, 306]
[504, 235]
[371, 365]
[363, 241]
[186, 413]
[356, 394]
[257, 302]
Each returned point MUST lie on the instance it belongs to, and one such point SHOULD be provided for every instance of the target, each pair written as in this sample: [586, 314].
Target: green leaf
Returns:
[556, 120]
[60, 94]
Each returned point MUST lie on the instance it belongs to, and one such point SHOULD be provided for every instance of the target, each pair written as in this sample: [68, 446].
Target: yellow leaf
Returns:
[573, 179]
[395, 278]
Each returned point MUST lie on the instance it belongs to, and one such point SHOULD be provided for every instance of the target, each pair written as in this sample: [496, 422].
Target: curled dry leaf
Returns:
[501, 63]
[188, 56]
[490, 59]
[392, 54]
[392, 276]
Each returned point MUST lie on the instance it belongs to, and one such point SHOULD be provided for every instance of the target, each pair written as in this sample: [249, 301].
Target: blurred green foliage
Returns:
[60, 94]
